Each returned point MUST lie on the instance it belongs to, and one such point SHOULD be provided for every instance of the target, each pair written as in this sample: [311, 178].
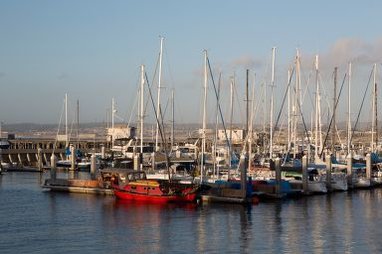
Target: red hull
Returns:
[126, 195]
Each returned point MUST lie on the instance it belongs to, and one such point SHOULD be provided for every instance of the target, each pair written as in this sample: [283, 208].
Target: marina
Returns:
[190, 127]
[36, 221]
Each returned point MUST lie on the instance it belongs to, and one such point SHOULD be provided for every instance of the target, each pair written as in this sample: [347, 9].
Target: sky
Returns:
[92, 50]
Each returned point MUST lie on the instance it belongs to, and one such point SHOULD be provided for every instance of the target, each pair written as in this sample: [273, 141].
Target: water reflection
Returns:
[347, 222]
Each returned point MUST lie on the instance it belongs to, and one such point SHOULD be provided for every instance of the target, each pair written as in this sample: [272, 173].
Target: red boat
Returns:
[136, 187]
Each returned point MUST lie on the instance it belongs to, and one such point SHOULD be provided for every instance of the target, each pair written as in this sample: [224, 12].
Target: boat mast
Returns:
[349, 118]
[66, 121]
[141, 112]
[231, 122]
[113, 111]
[374, 138]
[272, 102]
[316, 112]
[295, 106]
[289, 115]
[173, 118]
[159, 88]
[250, 130]
[243, 174]
[78, 120]
[216, 173]
[204, 118]
[334, 110]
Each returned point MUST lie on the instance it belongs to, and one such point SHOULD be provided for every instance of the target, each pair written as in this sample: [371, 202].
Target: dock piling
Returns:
[72, 159]
[349, 170]
[93, 166]
[39, 159]
[278, 176]
[53, 167]
[368, 166]
[305, 174]
[328, 162]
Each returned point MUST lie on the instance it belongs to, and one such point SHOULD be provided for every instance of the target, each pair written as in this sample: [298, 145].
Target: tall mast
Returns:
[231, 120]
[141, 116]
[113, 111]
[295, 103]
[159, 88]
[316, 112]
[334, 110]
[250, 128]
[66, 120]
[272, 102]
[78, 118]
[376, 106]
[216, 128]
[173, 118]
[349, 113]
[204, 118]
[289, 114]
[374, 139]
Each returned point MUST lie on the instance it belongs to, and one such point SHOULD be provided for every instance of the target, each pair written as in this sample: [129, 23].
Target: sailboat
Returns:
[133, 185]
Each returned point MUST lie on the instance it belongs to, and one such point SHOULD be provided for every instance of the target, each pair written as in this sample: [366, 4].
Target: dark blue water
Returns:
[37, 221]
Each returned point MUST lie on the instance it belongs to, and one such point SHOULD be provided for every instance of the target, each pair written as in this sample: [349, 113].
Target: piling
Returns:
[153, 161]
[1, 155]
[305, 174]
[328, 162]
[368, 166]
[278, 176]
[72, 159]
[349, 170]
[53, 167]
[136, 161]
[39, 159]
[93, 166]
[243, 176]
[19, 158]
[102, 152]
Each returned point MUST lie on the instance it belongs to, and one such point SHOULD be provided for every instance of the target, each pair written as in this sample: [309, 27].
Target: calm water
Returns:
[37, 221]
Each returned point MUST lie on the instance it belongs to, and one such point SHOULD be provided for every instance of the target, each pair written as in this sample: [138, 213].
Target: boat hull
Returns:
[133, 196]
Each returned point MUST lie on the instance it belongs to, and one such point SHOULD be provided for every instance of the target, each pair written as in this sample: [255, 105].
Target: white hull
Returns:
[361, 182]
[338, 182]
[317, 187]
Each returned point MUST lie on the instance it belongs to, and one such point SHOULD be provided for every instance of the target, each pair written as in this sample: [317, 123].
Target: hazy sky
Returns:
[92, 50]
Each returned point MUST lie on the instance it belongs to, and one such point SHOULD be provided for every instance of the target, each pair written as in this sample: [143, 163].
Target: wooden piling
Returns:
[349, 170]
[53, 167]
[368, 166]
[39, 159]
[102, 152]
[93, 166]
[305, 174]
[72, 158]
[278, 176]
[328, 162]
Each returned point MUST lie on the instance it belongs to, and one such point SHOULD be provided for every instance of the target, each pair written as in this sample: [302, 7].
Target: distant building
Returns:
[238, 135]
[120, 132]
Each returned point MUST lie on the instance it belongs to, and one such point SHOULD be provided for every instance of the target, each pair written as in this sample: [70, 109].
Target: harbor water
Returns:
[33, 220]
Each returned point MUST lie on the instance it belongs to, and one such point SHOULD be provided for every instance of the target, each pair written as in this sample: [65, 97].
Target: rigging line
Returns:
[160, 129]
[284, 98]
[331, 119]
[134, 104]
[220, 111]
[361, 106]
[236, 94]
